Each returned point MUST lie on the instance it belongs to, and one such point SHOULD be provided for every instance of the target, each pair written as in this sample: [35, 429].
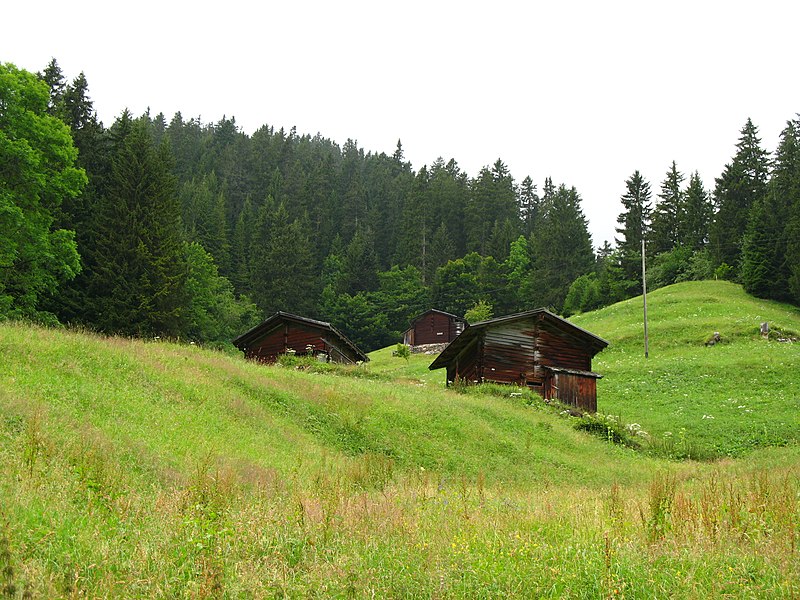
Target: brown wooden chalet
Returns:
[534, 348]
[284, 332]
[433, 327]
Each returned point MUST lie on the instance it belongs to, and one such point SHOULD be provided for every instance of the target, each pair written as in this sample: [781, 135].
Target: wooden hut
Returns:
[433, 327]
[535, 348]
[284, 332]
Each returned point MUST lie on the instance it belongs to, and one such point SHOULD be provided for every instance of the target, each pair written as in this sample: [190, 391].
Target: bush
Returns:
[611, 428]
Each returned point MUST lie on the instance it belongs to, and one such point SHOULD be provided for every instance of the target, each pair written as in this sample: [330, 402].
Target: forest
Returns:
[175, 228]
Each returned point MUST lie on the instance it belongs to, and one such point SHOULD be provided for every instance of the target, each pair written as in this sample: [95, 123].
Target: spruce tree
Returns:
[767, 263]
[561, 252]
[668, 218]
[283, 269]
[741, 184]
[137, 284]
[528, 205]
[635, 221]
[697, 215]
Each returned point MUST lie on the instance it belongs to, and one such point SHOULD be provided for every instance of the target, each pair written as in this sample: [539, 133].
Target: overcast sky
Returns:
[583, 92]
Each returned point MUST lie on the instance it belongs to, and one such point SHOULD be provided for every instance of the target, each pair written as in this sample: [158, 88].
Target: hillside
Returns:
[148, 469]
[696, 400]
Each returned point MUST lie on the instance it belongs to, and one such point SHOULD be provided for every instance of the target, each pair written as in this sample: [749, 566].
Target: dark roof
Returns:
[472, 331]
[248, 337]
[441, 312]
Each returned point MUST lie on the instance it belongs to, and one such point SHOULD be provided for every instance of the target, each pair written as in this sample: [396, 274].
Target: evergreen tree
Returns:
[742, 183]
[528, 205]
[698, 214]
[137, 284]
[244, 231]
[54, 78]
[203, 209]
[635, 221]
[493, 198]
[668, 218]
[766, 255]
[360, 264]
[283, 270]
[416, 225]
[441, 249]
[562, 250]
[76, 109]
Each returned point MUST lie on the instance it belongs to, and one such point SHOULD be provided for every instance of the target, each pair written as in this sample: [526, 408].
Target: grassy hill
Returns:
[697, 400]
[134, 468]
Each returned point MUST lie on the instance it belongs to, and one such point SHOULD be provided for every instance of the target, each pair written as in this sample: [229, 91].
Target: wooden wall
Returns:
[433, 328]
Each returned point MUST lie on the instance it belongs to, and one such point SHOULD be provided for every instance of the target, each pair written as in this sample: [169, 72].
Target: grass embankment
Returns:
[149, 469]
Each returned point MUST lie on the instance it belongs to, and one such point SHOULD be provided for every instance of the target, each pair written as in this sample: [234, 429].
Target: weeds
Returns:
[661, 497]
[34, 442]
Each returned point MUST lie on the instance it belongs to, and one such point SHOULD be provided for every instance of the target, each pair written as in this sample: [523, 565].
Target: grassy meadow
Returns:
[148, 469]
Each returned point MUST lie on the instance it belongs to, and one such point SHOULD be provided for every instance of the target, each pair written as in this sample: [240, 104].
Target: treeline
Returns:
[198, 231]
[747, 230]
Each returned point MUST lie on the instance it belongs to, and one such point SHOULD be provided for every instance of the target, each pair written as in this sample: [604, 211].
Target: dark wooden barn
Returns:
[534, 348]
[433, 327]
[285, 332]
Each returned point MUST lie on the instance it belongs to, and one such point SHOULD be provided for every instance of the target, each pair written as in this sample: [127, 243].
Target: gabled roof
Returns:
[473, 331]
[441, 312]
[257, 332]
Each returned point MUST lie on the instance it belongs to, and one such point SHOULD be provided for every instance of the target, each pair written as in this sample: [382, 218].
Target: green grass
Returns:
[694, 400]
[141, 469]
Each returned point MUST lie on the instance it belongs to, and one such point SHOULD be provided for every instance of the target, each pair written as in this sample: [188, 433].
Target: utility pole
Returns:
[644, 297]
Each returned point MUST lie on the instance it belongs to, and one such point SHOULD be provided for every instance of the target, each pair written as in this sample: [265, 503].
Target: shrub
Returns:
[611, 428]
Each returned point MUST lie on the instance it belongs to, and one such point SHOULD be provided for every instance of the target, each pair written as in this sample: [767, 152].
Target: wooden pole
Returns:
[644, 298]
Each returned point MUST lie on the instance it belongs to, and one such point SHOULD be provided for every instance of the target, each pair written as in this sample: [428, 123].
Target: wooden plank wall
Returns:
[508, 353]
[284, 337]
[575, 390]
[434, 328]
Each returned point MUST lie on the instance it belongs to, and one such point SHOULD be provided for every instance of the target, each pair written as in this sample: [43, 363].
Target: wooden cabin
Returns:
[284, 333]
[433, 327]
[536, 348]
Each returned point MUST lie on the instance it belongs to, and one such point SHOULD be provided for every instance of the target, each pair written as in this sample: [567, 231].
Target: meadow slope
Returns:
[134, 468]
[697, 400]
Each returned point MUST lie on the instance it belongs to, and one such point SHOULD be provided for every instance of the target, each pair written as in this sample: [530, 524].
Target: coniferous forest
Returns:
[171, 227]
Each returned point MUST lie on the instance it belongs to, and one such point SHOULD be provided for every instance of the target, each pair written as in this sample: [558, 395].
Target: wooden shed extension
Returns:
[433, 327]
[535, 348]
[285, 332]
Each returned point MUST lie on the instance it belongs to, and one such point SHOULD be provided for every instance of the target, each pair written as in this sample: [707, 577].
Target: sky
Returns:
[584, 92]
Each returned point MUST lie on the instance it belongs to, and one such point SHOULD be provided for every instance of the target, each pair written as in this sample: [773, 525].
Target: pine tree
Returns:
[528, 205]
[697, 215]
[360, 264]
[54, 78]
[635, 221]
[203, 209]
[137, 284]
[742, 183]
[283, 270]
[668, 218]
[562, 250]
[76, 109]
[766, 256]
[493, 198]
